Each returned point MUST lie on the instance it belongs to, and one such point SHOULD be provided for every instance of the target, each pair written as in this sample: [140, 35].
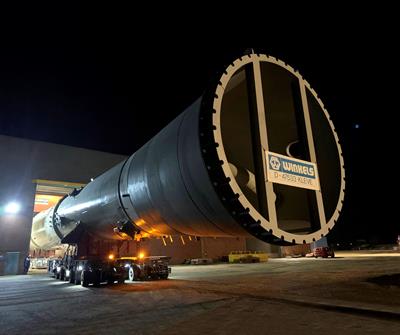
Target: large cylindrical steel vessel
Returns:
[206, 173]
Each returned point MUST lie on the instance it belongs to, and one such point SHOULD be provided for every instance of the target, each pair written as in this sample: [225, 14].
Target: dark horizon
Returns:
[45, 90]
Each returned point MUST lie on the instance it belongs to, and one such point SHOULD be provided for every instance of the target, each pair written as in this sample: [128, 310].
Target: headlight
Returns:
[58, 268]
[67, 273]
[80, 268]
[127, 265]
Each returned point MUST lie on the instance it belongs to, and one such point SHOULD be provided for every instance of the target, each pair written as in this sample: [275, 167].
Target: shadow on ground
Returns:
[386, 280]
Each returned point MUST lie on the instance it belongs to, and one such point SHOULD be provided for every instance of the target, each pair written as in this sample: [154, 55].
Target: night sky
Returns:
[103, 86]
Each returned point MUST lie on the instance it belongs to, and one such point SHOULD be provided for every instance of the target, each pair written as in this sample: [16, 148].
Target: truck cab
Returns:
[86, 270]
[323, 252]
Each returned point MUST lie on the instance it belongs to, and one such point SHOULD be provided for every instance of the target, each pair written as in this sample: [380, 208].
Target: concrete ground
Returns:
[282, 296]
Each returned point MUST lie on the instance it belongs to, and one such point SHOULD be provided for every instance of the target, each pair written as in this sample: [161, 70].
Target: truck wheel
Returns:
[84, 280]
[77, 279]
[132, 274]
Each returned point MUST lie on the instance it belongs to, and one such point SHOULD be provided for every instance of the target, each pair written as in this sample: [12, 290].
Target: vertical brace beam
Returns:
[311, 148]
[271, 197]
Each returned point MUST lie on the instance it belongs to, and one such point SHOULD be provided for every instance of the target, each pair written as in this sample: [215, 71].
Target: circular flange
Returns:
[255, 222]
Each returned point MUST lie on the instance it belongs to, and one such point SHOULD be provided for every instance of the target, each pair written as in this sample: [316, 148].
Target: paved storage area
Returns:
[283, 296]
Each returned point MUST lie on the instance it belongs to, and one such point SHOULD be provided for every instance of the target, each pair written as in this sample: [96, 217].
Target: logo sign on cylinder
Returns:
[291, 171]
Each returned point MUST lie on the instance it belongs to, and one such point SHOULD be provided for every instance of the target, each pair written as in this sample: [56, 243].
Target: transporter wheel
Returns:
[84, 279]
[77, 279]
[133, 274]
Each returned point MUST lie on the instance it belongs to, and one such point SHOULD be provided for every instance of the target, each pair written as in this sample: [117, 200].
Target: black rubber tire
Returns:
[84, 280]
[132, 274]
[62, 275]
[71, 277]
[77, 280]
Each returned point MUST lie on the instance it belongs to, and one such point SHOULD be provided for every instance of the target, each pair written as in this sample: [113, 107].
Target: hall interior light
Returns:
[12, 208]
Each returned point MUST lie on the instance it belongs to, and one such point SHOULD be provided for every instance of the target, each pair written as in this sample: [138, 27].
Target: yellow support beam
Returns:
[57, 183]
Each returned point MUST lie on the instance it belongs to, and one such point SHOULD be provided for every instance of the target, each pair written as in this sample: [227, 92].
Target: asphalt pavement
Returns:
[282, 296]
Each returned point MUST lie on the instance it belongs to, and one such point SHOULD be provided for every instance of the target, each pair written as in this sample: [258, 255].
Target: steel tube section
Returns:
[197, 176]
